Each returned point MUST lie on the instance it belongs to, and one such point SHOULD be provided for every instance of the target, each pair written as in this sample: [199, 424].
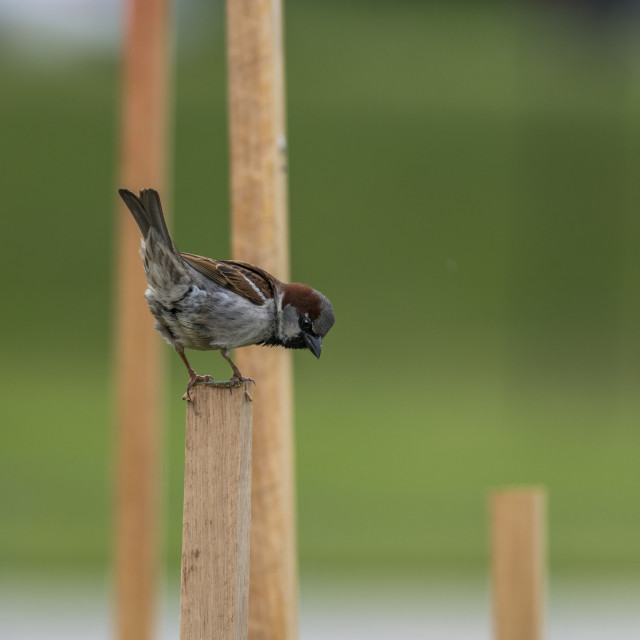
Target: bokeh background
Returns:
[463, 186]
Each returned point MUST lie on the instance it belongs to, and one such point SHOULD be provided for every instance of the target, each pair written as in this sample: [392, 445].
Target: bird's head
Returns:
[304, 318]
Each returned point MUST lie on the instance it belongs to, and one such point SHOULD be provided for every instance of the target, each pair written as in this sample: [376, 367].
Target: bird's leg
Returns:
[194, 378]
[237, 376]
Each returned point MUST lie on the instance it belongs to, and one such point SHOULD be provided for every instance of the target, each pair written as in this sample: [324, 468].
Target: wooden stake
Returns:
[138, 366]
[518, 563]
[217, 510]
[260, 236]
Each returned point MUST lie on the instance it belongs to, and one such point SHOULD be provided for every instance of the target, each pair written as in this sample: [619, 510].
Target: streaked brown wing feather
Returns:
[234, 276]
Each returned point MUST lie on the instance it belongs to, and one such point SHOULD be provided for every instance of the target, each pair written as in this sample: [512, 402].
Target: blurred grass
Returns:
[462, 187]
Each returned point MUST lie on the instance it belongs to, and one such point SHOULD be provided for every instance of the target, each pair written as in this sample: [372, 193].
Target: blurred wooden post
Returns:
[217, 509]
[518, 551]
[260, 235]
[138, 366]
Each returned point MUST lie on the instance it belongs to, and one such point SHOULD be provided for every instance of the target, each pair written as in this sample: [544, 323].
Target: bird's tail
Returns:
[165, 270]
[146, 210]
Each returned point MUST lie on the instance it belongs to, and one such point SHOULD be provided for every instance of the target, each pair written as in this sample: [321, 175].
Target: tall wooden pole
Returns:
[217, 509]
[260, 235]
[138, 367]
[518, 550]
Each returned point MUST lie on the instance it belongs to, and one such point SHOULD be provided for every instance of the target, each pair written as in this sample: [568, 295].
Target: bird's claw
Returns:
[193, 380]
[238, 379]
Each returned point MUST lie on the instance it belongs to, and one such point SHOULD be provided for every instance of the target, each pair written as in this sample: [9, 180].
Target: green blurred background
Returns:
[463, 186]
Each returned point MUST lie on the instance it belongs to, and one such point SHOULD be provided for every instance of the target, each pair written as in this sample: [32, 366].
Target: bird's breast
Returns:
[209, 316]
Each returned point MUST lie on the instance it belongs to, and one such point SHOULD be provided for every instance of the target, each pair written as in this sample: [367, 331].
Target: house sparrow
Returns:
[203, 304]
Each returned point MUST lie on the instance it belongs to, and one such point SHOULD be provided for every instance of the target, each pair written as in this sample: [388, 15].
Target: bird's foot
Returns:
[238, 378]
[193, 380]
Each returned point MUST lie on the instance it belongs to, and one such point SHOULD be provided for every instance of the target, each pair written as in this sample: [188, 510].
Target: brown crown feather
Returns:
[303, 298]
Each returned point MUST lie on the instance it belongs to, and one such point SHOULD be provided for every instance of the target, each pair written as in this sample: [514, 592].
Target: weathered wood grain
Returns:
[217, 514]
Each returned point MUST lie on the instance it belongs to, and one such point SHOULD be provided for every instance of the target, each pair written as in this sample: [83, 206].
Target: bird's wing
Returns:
[247, 280]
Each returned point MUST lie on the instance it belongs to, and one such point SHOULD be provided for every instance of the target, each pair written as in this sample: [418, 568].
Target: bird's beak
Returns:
[314, 344]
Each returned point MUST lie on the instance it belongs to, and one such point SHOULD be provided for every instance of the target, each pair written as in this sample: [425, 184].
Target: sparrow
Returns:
[206, 304]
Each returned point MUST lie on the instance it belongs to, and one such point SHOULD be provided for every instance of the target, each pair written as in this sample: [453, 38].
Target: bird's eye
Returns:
[305, 323]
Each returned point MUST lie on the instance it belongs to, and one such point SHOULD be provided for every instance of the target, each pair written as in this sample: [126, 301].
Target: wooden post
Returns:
[518, 550]
[260, 236]
[217, 511]
[138, 356]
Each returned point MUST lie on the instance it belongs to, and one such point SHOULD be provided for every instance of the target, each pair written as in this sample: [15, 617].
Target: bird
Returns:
[205, 304]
